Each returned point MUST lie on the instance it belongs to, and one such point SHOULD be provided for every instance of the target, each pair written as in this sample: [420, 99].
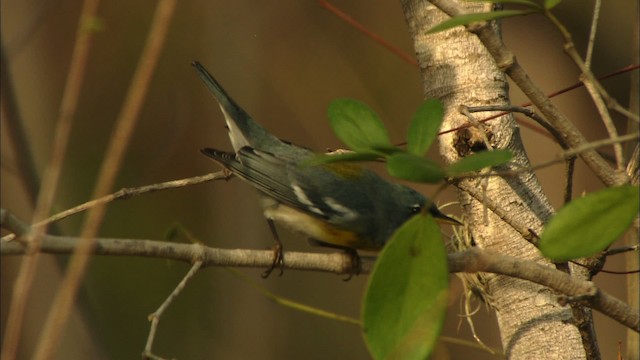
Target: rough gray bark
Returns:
[456, 69]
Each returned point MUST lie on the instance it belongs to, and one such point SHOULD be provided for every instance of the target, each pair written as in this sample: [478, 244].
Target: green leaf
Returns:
[550, 4]
[347, 156]
[479, 160]
[386, 150]
[589, 224]
[467, 19]
[414, 168]
[357, 125]
[405, 301]
[425, 126]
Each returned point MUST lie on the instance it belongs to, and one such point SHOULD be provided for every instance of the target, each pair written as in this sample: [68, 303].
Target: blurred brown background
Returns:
[283, 62]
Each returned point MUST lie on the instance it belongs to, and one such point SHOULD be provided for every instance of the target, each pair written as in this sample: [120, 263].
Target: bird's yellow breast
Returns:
[317, 229]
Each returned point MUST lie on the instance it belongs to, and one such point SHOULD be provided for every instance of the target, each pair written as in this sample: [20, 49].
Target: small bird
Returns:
[339, 205]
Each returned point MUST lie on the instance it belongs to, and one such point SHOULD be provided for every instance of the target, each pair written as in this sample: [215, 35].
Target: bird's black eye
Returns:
[415, 208]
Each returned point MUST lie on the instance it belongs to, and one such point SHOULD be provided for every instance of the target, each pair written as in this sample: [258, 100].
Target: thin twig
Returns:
[506, 61]
[592, 33]
[551, 95]
[50, 179]
[586, 72]
[592, 145]
[468, 295]
[558, 137]
[368, 33]
[559, 158]
[620, 250]
[605, 116]
[580, 84]
[66, 294]
[570, 166]
[613, 272]
[476, 260]
[411, 59]
[127, 193]
[527, 112]
[505, 216]
[156, 315]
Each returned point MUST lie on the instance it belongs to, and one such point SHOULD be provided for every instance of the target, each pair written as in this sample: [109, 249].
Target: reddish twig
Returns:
[368, 33]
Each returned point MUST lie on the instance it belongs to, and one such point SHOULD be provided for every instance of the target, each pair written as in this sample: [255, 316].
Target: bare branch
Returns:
[338, 263]
[472, 260]
[587, 75]
[592, 33]
[126, 193]
[127, 120]
[565, 155]
[51, 177]
[156, 315]
[506, 61]
[476, 260]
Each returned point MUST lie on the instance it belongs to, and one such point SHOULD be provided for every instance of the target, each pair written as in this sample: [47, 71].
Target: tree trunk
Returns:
[457, 69]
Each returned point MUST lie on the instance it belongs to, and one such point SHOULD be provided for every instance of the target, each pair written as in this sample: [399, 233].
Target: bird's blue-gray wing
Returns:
[314, 190]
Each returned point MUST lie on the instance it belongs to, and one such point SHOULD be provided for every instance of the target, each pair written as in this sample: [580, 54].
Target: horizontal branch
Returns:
[338, 263]
[470, 261]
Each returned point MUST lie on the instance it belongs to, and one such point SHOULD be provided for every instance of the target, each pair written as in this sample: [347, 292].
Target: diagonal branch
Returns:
[506, 62]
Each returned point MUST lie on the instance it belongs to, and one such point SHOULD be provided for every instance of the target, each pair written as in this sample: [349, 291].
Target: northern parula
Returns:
[340, 205]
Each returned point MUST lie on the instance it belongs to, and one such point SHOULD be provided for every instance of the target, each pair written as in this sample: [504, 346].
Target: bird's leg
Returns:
[356, 263]
[278, 258]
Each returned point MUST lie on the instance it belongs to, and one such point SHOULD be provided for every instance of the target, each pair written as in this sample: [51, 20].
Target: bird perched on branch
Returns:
[340, 205]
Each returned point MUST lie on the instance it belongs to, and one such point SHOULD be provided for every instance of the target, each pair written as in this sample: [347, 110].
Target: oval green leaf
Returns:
[357, 125]
[589, 224]
[425, 126]
[386, 151]
[467, 19]
[406, 299]
[414, 168]
[479, 160]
